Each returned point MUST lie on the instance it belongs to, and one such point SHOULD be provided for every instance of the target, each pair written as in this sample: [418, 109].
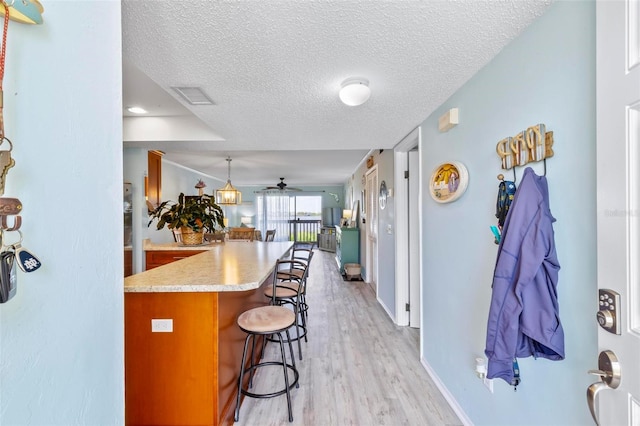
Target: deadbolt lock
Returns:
[608, 315]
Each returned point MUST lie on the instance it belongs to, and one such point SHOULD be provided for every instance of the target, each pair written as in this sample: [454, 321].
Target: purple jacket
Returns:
[523, 317]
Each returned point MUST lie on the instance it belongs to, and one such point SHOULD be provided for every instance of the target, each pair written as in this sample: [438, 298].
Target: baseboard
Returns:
[386, 309]
[466, 421]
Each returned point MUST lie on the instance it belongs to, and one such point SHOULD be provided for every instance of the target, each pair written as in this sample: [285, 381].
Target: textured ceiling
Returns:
[274, 68]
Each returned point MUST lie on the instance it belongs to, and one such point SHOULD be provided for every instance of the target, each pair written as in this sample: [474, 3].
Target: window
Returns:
[295, 218]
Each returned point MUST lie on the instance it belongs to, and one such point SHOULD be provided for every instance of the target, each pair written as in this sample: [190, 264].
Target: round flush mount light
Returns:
[355, 91]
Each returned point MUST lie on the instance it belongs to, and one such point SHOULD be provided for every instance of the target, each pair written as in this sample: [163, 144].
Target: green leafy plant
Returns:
[196, 212]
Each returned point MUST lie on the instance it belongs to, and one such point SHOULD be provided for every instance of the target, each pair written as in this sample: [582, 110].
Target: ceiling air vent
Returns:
[193, 95]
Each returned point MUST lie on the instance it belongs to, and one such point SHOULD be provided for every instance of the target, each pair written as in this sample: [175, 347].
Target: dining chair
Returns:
[242, 234]
[270, 235]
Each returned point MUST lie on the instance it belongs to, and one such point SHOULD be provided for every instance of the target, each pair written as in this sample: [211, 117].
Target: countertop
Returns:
[149, 246]
[228, 266]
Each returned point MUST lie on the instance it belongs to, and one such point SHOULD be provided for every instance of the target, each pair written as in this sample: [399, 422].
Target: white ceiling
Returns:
[274, 68]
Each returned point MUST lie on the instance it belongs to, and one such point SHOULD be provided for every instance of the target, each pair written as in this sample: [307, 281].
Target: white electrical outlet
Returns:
[162, 326]
[488, 383]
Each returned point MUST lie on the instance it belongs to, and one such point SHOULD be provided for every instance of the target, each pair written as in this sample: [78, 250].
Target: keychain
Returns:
[26, 260]
[8, 277]
[6, 162]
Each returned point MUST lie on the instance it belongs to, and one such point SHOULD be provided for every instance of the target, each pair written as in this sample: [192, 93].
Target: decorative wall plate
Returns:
[448, 182]
[382, 197]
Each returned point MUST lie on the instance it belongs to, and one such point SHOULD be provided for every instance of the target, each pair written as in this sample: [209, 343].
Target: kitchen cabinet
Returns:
[128, 261]
[347, 246]
[153, 259]
[182, 345]
[154, 179]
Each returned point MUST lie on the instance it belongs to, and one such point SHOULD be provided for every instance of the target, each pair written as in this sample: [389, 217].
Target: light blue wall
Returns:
[61, 337]
[386, 242]
[545, 76]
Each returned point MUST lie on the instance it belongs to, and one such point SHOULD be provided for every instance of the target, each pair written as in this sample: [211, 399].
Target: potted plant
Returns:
[192, 215]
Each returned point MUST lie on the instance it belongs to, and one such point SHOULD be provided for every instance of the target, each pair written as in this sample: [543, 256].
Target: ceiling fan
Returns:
[282, 186]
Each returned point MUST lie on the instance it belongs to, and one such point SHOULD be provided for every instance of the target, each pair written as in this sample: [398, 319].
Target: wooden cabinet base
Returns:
[128, 262]
[153, 259]
[187, 376]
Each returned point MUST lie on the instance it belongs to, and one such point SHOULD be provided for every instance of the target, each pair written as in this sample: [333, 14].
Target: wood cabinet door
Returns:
[154, 186]
[154, 259]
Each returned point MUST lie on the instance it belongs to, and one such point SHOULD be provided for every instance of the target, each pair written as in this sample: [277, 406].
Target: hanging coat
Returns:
[524, 317]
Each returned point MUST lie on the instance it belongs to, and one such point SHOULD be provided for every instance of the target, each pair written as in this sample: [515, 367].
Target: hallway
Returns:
[358, 368]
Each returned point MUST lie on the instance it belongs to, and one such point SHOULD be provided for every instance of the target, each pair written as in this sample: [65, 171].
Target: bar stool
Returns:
[288, 285]
[303, 254]
[267, 321]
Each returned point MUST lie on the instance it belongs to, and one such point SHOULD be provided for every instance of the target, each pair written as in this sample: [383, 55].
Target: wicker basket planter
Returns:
[190, 237]
[352, 270]
[190, 212]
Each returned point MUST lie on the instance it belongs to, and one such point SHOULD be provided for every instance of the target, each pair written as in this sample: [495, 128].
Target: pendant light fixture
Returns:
[228, 194]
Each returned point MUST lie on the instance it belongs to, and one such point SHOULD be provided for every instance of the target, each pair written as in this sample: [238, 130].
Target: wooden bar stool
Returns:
[267, 321]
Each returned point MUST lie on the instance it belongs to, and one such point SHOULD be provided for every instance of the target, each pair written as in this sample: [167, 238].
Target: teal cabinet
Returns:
[347, 246]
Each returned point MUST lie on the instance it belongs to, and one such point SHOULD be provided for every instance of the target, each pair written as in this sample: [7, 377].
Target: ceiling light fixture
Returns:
[137, 110]
[228, 194]
[355, 91]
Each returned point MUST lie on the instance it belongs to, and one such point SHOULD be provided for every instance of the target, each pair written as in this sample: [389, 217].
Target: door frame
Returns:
[371, 255]
[401, 202]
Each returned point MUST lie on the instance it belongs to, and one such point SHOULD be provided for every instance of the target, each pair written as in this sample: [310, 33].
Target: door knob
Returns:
[592, 392]
[609, 372]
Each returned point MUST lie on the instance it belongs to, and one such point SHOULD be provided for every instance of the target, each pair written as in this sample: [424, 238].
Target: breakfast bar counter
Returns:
[182, 344]
[228, 266]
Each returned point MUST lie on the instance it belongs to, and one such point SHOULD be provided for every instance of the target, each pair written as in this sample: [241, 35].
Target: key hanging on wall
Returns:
[28, 11]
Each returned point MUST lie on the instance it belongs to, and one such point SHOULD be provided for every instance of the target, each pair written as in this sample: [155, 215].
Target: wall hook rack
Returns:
[532, 144]
[24, 11]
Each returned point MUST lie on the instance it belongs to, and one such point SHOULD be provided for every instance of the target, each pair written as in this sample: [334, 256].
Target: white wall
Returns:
[61, 337]
[545, 76]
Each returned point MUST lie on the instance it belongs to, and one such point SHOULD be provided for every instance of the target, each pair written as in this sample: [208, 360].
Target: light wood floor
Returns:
[358, 368]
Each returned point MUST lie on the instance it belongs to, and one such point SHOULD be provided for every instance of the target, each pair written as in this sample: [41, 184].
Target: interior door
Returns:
[371, 187]
[618, 197]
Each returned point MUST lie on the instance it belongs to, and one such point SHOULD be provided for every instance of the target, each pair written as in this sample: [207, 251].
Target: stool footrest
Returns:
[293, 339]
[293, 384]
